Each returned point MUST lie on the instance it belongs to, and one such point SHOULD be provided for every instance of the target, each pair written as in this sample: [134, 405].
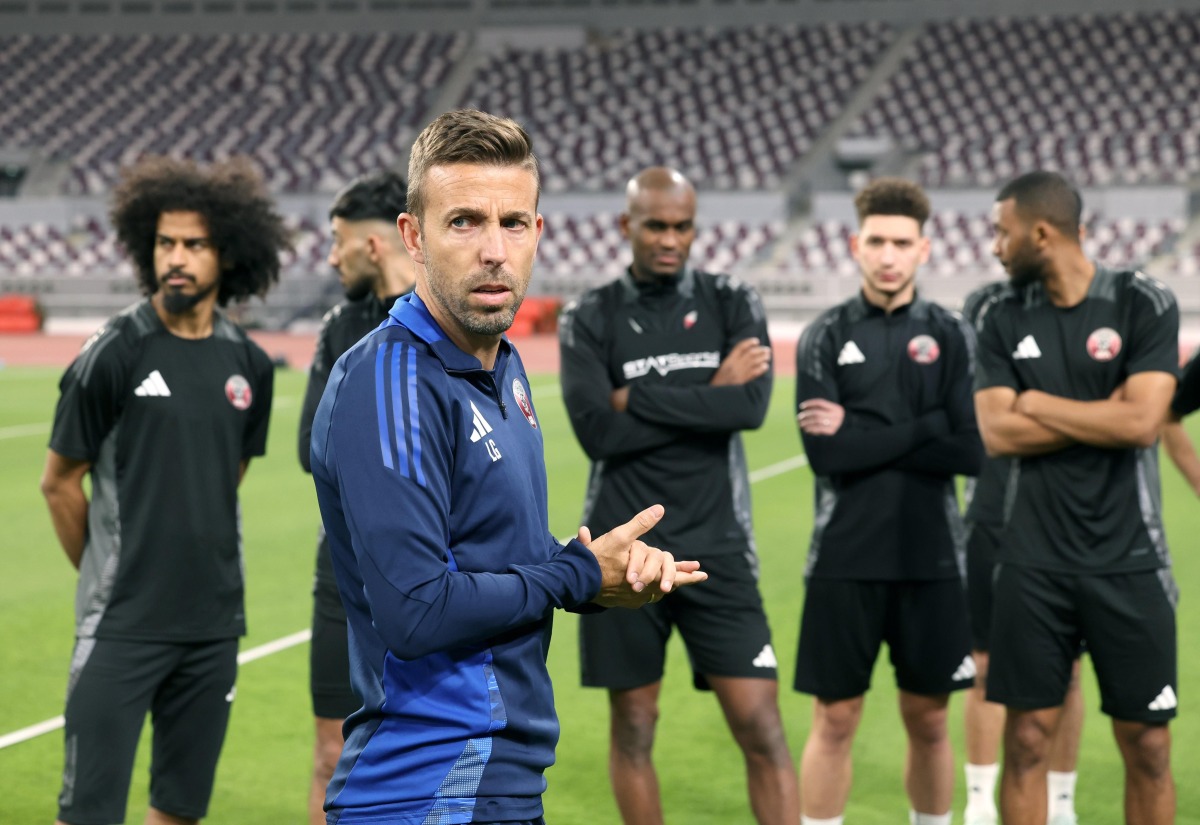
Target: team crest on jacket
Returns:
[237, 390]
[1104, 344]
[523, 402]
[923, 349]
[689, 320]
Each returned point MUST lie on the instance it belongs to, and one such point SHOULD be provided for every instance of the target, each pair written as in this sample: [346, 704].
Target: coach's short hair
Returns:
[380, 196]
[467, 136]
[892, 196]
[243, 224]
[1046, 196]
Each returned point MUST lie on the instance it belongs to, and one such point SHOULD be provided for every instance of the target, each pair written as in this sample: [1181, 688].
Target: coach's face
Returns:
[1014, 246]
[477, 239]
[889, 249]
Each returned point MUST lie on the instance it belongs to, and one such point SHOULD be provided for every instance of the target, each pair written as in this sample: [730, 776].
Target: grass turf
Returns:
[263, 773]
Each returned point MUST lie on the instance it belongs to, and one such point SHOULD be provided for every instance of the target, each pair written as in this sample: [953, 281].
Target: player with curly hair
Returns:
[164, 407]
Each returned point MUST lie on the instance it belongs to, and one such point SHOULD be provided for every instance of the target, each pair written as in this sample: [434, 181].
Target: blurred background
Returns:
[776, 109]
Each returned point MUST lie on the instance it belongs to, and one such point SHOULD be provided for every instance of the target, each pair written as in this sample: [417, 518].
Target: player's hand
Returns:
[619, 399]
[633, 573]
[748, 360]
[817, 416]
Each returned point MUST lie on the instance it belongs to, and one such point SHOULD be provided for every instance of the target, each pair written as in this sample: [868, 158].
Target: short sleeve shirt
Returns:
[165, 423]
[1083, 508]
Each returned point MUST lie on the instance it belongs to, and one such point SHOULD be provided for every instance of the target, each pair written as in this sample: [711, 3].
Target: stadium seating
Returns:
[312, 110]
[963, 244]
[1106, 99]
[731, 108]
[575, 252]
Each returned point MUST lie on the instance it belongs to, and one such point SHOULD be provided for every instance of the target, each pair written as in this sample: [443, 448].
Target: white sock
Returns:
[808, 820]
[1061, 788]
[981, 789]
[915, 818]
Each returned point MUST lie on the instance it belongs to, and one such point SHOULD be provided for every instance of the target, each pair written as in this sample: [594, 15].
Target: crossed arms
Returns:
[1033, 422]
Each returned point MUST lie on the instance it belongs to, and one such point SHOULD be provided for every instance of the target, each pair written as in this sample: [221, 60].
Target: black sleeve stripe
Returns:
[1160, 297]
[808, 353]
[86, 362]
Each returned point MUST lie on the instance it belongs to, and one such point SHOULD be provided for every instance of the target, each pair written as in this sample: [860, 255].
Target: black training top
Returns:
[886, 508]
[341, 328]
[678, 441]
[1082, 509]
[165, 422]
[985, 492]
[1187, 396]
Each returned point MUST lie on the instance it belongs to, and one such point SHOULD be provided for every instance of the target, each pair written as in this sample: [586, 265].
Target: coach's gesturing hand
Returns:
[633, 573]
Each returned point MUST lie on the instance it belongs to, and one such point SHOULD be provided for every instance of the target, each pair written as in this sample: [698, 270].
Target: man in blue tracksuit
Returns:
[427, 457]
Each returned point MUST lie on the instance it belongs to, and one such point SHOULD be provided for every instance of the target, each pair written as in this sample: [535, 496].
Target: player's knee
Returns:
[759, 732]
[1147, 750]
[633, 727]
[927, 730]
[836, 722]
[1026, 742]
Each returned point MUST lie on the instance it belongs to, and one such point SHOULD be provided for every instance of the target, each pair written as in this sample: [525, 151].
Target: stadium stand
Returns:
[1109, 99]
[313, 109]
[1113, 100]
[576, 251]
[962, 243]
[733, 108]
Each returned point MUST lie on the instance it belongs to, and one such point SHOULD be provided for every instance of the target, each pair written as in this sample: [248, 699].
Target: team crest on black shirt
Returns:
[924, 349]
[1104, 344]
[523, 402]
[237, 390]
[689, 320]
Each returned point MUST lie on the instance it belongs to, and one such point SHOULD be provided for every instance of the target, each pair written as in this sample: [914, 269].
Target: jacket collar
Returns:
[684, 284]
[410, 312]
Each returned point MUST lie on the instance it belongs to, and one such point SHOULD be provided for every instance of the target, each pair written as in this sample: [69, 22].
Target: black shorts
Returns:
[844, 623]
[1127, 621]
[329, 652]
[983, 544]
[188, 689]
[721, 621]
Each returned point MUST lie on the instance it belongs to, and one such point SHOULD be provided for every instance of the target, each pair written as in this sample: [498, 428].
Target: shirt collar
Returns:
[410, 312]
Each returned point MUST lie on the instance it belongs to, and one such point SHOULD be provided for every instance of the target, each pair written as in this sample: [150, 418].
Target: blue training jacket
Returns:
[432, 486]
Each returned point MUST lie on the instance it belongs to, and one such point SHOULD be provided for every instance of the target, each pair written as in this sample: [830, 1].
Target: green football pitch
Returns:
[264, 768]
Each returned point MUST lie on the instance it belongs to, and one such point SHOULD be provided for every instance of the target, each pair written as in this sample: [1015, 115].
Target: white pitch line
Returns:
[785, 466]
[297, 638]
[302, 636]
[22, 430]
[30, 732]
[246, 656]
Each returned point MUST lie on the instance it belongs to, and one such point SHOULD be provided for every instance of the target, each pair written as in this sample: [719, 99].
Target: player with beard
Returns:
[983, 726]
[428, 461]
[883, 390]
[375, 269]
[661, 371]
[164, 407]
[1075, 373]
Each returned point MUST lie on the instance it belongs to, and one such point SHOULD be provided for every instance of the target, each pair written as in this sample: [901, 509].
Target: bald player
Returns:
[661, 371]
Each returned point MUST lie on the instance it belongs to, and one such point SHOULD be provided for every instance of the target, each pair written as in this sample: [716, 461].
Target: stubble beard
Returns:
[477, 321]
[358, 288]
[1024, 270]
